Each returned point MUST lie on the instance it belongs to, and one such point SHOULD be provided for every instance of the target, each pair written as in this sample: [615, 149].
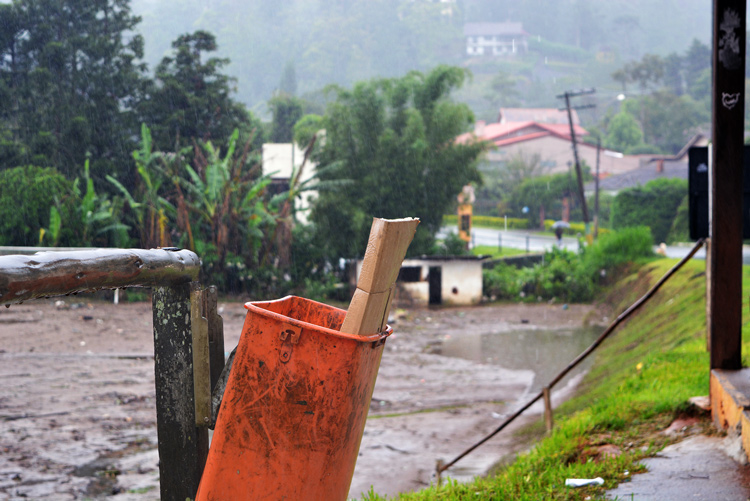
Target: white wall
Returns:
[461, 282]
[280, 159]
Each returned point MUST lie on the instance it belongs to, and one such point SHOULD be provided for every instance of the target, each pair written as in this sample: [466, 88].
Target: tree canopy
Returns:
[654, 204]
[191, 97]
[392, 145]
[70, 75]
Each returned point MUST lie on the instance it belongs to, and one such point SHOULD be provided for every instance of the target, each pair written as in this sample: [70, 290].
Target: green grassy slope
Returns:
[643, 375]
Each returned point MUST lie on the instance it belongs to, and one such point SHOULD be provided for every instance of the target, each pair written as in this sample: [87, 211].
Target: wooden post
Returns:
[183, 447]
[725, 328]
[708, 294]
[386, 248]
[548, 418]
[215, 333]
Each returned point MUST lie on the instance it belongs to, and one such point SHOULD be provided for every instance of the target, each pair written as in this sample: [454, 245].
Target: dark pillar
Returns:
[725, 321]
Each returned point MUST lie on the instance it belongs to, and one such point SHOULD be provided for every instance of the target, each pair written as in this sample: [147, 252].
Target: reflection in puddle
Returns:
[546, 352]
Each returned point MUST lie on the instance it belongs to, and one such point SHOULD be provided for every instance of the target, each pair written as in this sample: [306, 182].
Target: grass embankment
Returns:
[641, 380]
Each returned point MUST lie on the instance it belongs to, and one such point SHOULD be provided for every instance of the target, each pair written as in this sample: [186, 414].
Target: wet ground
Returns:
[77, 416]
[699, 467]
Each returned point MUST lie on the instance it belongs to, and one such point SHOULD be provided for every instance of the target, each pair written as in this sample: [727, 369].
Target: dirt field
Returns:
[77, 415]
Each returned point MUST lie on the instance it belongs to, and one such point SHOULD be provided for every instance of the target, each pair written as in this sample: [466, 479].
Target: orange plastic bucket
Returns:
[295, 405]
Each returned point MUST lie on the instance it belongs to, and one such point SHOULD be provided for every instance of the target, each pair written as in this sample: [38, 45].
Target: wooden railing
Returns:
[188, 337]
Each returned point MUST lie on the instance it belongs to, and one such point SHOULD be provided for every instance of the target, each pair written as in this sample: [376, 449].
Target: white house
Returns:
[495, 39]
[281, 161]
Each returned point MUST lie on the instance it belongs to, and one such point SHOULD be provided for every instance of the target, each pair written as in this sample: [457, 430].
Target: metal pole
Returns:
[527, 244]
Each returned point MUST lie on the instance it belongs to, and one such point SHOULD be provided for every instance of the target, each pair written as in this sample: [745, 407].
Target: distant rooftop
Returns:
[493, 29]
[638, 177]
[504, 134]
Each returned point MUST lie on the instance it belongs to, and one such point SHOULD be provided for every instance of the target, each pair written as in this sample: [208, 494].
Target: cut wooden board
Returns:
[386, 248]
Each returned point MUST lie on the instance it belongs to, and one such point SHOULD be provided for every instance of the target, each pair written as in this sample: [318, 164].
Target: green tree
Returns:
[667, 121]
[503, 91]
[288, 83]
[623, 132]
[547, 192]
[647, 73]
[71, 76]
[286, 110]
[697, 60]
[654, 205]
[191, 99]
[396, 141]
[26, 195]
[149, 208]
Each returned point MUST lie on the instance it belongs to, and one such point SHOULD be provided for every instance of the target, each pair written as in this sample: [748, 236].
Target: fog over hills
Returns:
[343, 41]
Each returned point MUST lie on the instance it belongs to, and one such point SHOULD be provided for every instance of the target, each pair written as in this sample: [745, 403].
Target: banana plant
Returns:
[227, 197]
[97, 213]
[151, 211]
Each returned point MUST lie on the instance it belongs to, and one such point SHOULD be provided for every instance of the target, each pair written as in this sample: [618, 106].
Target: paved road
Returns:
[537, 243]
[513, 239]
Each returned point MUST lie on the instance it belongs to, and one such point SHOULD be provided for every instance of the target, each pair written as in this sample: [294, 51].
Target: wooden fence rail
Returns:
[173, 273]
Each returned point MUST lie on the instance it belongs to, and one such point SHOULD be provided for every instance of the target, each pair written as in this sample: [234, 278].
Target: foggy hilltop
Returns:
[344, 41]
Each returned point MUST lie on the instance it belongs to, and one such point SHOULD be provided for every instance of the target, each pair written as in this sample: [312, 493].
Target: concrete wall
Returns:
[461, 282]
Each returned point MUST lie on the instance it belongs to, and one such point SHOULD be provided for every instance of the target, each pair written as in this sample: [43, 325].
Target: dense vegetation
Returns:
[172, 158]
[566, 276]
[390, 144]
[655, 203]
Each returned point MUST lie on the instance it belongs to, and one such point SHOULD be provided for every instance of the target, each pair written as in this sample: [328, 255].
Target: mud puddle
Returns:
[546, 352]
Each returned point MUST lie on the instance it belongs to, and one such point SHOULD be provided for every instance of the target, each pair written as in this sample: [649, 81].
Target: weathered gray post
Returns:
[183, 446]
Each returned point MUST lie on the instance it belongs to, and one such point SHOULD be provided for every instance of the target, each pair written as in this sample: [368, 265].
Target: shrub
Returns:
[26, 196]
[568, 276]
[615, 249]
[654, 205]
[680, 231]
[452, 245]
[501, 282]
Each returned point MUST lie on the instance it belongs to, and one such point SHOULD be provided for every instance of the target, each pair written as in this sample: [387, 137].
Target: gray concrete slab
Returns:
[699, 467]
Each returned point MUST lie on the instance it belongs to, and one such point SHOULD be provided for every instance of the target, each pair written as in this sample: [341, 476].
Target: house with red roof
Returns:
[551, 141]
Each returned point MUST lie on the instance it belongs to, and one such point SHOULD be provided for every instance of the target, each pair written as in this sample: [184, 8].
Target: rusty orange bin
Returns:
[295, 405]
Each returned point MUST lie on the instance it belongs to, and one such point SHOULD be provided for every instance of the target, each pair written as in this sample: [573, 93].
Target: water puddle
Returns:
[545, 352]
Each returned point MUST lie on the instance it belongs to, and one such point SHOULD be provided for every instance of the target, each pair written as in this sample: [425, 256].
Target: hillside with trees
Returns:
[343, 42]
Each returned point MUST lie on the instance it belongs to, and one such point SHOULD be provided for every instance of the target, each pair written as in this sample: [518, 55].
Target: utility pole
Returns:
[567, 95]
[596, 189]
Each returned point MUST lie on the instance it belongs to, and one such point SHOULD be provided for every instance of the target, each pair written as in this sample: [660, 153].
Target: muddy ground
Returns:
[77, 415]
